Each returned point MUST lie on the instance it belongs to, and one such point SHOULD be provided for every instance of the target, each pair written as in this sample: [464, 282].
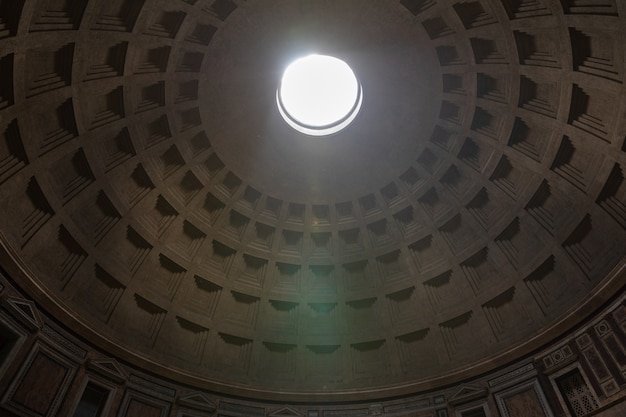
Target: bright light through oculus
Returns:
[319, 95]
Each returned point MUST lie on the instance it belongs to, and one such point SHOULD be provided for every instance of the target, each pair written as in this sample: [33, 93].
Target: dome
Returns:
[156, 203]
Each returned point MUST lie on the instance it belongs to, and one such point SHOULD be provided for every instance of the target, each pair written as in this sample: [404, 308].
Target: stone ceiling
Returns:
[154, 201]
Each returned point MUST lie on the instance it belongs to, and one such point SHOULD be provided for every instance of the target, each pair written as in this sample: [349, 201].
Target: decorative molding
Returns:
[25, 311]
[466, 394]
[558, 358]
[240, 410]
[108, 368]
[197, 401]
[407, 406]
[150, 388]
[60, 341]
[513, 375]
[284, 412]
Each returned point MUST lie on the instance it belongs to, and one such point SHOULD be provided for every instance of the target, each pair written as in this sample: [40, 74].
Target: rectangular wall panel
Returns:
[523, 400]
[41, 384]
[136, 404]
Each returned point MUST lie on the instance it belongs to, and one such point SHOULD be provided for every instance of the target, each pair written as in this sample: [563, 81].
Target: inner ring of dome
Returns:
[319, 95]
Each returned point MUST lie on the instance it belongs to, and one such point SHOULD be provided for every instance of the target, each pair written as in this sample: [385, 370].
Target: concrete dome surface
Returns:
[155, 202]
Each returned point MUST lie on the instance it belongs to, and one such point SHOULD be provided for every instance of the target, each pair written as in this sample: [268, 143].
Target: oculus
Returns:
[319, 95]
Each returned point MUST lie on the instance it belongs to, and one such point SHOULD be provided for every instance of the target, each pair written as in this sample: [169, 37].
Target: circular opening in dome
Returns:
[319, 95]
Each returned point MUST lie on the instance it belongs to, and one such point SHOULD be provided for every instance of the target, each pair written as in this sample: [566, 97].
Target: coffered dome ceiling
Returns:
[156, 203]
